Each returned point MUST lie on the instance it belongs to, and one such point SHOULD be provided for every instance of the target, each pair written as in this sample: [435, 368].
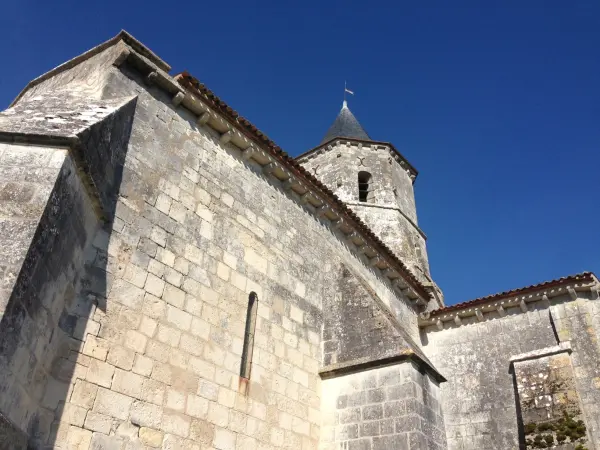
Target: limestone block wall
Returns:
[195, 232]
[46, 223]
[578, 322]
[391, 211]
[393, 407]
[154, 351]
[480, 400]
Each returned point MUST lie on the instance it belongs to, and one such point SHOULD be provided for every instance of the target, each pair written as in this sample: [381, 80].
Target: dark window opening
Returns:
[249, 336]
[364, 187]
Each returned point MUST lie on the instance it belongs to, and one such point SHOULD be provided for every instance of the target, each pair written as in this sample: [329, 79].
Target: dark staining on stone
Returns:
[549, 403]
[365, 190]
[11, 437]
[67, 323]
[12, 321]
[359, 327]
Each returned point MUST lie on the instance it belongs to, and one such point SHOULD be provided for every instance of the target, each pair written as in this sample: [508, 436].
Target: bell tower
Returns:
[377, 182]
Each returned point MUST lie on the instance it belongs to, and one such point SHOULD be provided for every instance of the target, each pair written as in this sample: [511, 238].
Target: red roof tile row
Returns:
[190, 83]
[584, 277]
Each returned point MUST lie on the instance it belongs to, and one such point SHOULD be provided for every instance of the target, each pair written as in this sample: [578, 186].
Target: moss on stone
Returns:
[562, 431]
[530, 428]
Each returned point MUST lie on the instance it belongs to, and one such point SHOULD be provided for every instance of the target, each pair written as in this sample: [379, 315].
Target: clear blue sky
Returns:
[497, 104]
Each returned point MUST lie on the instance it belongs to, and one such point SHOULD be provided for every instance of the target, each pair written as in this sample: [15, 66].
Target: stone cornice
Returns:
[496, 307]
[366, 363]
[359, 143]
[395, 208]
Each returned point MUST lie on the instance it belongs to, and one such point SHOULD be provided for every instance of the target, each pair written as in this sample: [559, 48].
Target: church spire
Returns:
[345, 125]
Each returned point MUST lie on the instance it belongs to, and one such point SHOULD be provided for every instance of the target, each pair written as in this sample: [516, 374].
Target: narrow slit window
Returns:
[249, 336]
[364, 187]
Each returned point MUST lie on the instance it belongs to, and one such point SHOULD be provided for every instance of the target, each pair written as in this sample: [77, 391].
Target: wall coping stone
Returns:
[122, 36]
[366, 363]
[562, 347]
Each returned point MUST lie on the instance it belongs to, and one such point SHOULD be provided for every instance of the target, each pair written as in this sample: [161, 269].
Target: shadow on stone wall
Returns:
[520, 427]
[62, 281]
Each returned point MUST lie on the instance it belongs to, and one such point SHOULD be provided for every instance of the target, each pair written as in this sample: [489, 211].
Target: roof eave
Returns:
[155, 70]
[468, 307]
[190, 83]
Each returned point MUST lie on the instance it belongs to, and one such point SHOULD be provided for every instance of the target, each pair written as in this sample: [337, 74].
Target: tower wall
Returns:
[390, 209]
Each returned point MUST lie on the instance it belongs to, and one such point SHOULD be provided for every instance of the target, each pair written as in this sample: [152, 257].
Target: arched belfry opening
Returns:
[365, 191]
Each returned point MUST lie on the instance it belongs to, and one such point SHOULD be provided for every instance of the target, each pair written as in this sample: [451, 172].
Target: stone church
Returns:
[172, 279]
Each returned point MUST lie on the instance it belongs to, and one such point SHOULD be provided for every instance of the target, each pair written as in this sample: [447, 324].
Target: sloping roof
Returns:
[580, 277]
[147, 62]
[194, 86]
[345, 125]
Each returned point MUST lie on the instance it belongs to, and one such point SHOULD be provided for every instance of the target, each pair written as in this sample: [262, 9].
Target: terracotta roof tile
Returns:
[192, 84]
[580, 277]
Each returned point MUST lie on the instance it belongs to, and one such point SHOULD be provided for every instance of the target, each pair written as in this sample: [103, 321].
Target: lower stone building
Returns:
[171, 279]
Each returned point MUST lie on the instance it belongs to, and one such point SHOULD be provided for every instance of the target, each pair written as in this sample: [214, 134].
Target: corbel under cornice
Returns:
[497, 308]
[319, 204]
[334, 144]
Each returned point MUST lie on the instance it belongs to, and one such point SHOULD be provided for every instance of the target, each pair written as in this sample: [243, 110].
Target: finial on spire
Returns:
[345, 104]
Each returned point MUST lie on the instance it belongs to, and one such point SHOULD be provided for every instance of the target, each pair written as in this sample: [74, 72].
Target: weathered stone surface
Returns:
[548, 401]
[150, 437]
[366, 410]
[481, 401]
[39, 316]
[359, 328]
[389, 209]
[11, 437]
[133, 238]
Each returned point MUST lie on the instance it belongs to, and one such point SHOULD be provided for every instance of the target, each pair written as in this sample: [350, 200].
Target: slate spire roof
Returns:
[345, 125]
